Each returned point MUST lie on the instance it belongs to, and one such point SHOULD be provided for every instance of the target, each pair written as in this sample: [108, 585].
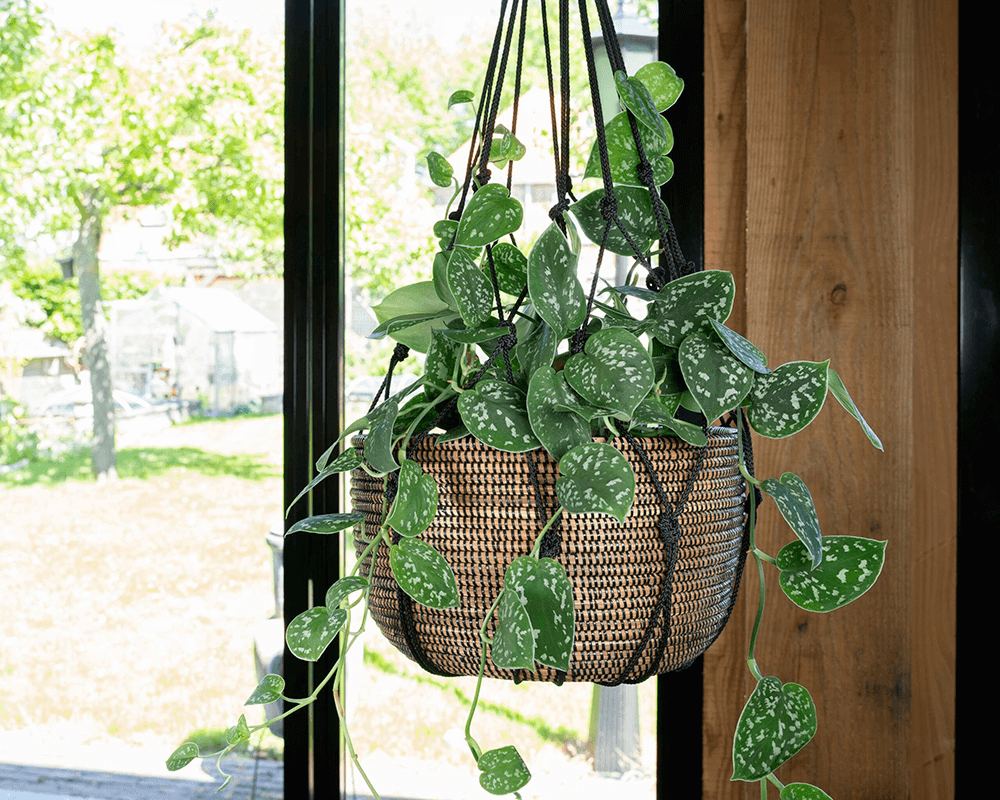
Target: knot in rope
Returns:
[609, 207]
[645, 173]
[455, 215]
[400, 352]
[483, 176]
[656, 279]
[557, 210]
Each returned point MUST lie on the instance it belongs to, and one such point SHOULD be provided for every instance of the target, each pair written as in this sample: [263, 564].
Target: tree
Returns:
[195, 128]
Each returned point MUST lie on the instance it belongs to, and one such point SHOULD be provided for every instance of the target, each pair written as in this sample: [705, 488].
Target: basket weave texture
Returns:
[488, 515]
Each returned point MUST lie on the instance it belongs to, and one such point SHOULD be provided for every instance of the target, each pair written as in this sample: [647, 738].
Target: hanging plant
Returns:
[562, 442]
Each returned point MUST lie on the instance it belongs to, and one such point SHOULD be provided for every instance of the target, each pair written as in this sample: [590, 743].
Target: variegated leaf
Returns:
[503, 771]
[416, 501]
[717, 380]
[512, 268]
[326, 523]
[440, 170]
[596, 478]
[786, 400]
[542, 587]
[182, 756]
[838, 390]
[342, 588]
[268, 690]
[796, 505]
[803, 791]
[613, 371]
[557, 430]
[777, 721]
[537, 349]
[490, 214]
[662, 82]
[514, 642]
[442, 361]
[850, 567]
[635, 212]
[378, 442]
[689, 304]
[239, 733]
[624, 157]
[637, 99]
[423, 574]
[310, 633]
[744, 350]
[471, 289]
[496, 413]
[553, 285]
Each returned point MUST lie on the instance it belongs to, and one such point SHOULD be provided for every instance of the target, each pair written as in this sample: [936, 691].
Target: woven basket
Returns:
[488, 515]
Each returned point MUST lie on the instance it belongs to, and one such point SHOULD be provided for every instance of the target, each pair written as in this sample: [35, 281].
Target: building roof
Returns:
[221, 310]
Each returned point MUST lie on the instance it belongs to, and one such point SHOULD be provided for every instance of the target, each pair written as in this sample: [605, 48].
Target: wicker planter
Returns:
[488, 515]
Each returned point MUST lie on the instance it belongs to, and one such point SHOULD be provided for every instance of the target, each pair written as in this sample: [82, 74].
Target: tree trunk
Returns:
[102, 454]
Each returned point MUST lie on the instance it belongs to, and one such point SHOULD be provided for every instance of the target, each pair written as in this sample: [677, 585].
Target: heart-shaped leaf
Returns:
[559, 431]
[596, 478]
[543, 588]
[511, 267]
[689, 304]
[346, 461]
[717, 380]
[310, 633]
[378, 442]
[662, 82]
[514, 642]
[423, 574]
[239, 733]
[838, 390]
[182, 756]
[326, 523]
[505, 147]
[491, 213]
[786, 400]
[496, 413]
[342, 588]
[744, 350]
[637, 99]
[445, 230]
[796, 505]
[416, 298]
[850, 567]
[613, 371]
[268, 690]
[537, 349]
[503, 771]
[623, 156]
[471, 289]
[553, 284]
[635, 212]
[440, 170]
[803, 791]
[776, 723]
[416, 501]
[460, 96]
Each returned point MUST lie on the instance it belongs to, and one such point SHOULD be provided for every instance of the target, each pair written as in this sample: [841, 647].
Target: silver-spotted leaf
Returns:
[487, 332]
[553, 285]
[496, 413]
[346, 461]
[182, 756]
[490, 214]
[471, 288]
[416, 501]
[542, 587]
[268, 690]
[623, 156]
[537, 349]
[558, 430]
[239, 733]
[635, 212]
[445, 230]
[744, 350]
[662, 82]
[326, 523]
[378, 442]
[440, 170]
[838, 390]
[423, 574]
[689, 304]
[792, 497]
[803, 791]
[787, 399]
[442, 360]
[514, 642]
[310, 633]
[613, 371]
[637, 99]
[511, 267]
[777, 721]
[596, 478]
[688, 431]
[656, 412]
[503, 771]
[342, 588]
[850, 567]
[717, 380]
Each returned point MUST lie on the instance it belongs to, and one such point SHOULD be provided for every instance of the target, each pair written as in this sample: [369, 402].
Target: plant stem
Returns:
[775, 781]
[350, 745]
[536, 548]
[763, 789]
[473, 744]
[764, 556]
[752, 523]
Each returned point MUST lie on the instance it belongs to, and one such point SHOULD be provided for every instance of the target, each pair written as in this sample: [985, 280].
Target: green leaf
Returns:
[838, 390]
[662, 82]
[513, 643]
[440, 170]
[613, 371]
[506, 148]
[559, 431]
[490, 331]
[393, 326]
[439, 274]
[717, 380]
[496, 413]
[491, 213]
[268, 690]
[796, 505]
[656, 412]
[635, 212]
[445, 230]
[803, 791]
[326, 523]
[340, 590]
[596, 478]
[416, 501]
[240, 732]
[689, 304]
[511, 267]
[310, 633]
[378, 442]
[555, 289]
[460, 96]
[537, 349]
[543, 588]
[471, 289]
[850, 567]
[423, 574]
[503, 771]
[623, 157]
[786, 400]
[182, 756]
[348, 460]
[442, 360]
[745, 351]
[452, 434]
[669, 378]
[637, 99]
[689, 432]
[416, 298]
[324, 459]
[776, 723]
